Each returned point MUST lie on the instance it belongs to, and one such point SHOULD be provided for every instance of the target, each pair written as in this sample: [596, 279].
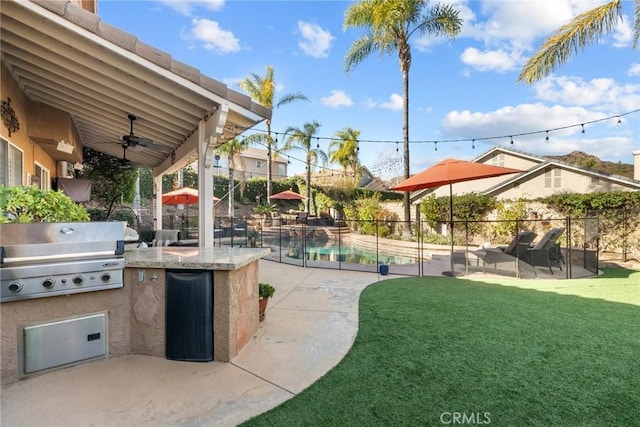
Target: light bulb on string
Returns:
[317, 142]
[547, 137]
[397, 147]
[473, 144]
[619, 120]
[435, 146]
[511, 140]
[276, 137]
[582, 128]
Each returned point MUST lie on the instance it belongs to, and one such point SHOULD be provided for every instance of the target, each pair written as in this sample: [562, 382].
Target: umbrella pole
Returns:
[452, 271]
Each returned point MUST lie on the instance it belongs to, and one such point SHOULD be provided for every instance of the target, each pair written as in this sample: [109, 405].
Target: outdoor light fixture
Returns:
[582, 128]
[65, 147]
[435, 146]
[473, 144]
[619, 120]
[511, 140]
[547, 138]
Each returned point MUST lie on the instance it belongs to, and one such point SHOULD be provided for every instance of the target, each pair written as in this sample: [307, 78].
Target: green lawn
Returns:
[509, 356]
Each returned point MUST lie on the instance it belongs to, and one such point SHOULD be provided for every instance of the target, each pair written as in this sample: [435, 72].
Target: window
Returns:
[43, 181]
[552, 178]
[282, 169]
[258, 164]
[10, 164]
[497, 160]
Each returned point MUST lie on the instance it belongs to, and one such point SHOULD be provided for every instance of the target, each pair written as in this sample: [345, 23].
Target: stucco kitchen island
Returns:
[136, 311]
[235, 294]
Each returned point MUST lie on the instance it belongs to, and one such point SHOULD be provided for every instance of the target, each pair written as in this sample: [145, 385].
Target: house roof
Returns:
[541, 165]
[66, 57]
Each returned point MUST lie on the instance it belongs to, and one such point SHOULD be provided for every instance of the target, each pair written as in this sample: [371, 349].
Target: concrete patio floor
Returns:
[311, 323]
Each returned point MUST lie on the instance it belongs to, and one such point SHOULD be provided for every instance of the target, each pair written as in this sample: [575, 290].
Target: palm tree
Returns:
[343, 149]
[301, 139]
[390, 24]
[576, 35]
[232, 149]
[262, 90]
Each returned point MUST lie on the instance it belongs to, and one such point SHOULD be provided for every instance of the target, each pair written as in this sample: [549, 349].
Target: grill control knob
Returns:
[78, 280]
[48, 283]
[15, 286]
[105, 277]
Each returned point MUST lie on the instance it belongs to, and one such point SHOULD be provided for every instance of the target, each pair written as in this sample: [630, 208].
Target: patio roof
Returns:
[66, 57]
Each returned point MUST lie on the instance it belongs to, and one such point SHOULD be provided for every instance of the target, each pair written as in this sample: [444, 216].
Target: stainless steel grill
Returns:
[49, 259]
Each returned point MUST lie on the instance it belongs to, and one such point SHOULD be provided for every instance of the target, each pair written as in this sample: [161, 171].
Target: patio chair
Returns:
[515, 250]
[546, 253]
[165, 237]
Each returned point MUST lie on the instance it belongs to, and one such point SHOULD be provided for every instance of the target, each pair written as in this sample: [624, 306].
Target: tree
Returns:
[296, 138]
[343, 149]
[390, 24]
[232, 149]
[262, 90]
[108, 177]
[581, 31]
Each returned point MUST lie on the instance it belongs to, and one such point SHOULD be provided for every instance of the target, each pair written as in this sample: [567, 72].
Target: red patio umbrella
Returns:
[287, 195]
[183, 196]
[449, 171]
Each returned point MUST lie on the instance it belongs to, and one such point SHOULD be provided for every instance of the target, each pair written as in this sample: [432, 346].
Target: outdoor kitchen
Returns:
[70, 293]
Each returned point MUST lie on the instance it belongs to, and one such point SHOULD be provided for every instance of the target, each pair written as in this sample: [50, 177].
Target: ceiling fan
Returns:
[124, 162]
[136, 142]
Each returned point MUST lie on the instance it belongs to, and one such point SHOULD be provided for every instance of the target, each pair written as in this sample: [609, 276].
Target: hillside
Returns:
[588, 161]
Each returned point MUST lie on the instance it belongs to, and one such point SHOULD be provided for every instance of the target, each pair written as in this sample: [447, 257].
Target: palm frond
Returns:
[636, 25]
[572, 37]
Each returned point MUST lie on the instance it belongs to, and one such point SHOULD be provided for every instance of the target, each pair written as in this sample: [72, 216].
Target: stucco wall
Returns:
[43, 310]
[137, 315]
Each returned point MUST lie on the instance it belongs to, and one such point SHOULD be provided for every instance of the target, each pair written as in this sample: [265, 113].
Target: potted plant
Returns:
[265, 291]
[253, 238]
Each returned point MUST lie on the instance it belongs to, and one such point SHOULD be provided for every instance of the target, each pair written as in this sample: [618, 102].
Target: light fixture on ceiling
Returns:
[65, 147]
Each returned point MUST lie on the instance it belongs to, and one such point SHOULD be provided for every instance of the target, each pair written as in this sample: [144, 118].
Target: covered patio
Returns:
[66, 61]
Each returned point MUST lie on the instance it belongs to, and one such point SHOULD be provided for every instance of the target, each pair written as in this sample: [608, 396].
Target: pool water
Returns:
[348, 254]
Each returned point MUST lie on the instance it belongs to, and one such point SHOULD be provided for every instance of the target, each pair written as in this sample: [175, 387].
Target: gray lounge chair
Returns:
[546, 253]
[509, 254]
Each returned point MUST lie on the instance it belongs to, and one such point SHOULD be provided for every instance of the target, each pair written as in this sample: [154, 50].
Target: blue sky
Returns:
[459, 89]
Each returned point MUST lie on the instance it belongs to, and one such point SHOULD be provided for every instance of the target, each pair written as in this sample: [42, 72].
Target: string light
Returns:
[582, 128]
[618, 116]
[317, 142]
[473, 144]
[289, 158]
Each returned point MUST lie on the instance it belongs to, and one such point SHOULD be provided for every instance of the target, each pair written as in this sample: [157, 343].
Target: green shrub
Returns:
[29, 204]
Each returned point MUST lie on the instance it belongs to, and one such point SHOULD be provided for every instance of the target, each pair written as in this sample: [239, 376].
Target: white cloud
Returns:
[338, 98]
[315, 41]
[498, 60]
[186, 7]
[623, 34]
[212, 37]
[394, 104]
[602, 139]
[634, 70]
[604, 93]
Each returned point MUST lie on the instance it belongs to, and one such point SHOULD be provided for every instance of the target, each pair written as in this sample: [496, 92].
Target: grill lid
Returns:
[48, 242]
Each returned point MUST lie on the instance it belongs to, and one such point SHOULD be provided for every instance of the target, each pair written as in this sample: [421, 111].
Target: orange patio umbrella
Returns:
[287, 195]
[183, 196]
[449, 171]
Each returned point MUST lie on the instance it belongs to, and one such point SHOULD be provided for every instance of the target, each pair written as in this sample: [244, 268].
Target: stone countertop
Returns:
[190, 258]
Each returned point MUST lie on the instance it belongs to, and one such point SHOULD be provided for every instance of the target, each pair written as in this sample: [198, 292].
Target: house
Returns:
[70, 80]
[540, 177]
[330, 177]
[254, 164]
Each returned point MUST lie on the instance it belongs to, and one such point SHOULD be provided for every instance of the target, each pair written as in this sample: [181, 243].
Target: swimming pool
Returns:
[346, 254]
